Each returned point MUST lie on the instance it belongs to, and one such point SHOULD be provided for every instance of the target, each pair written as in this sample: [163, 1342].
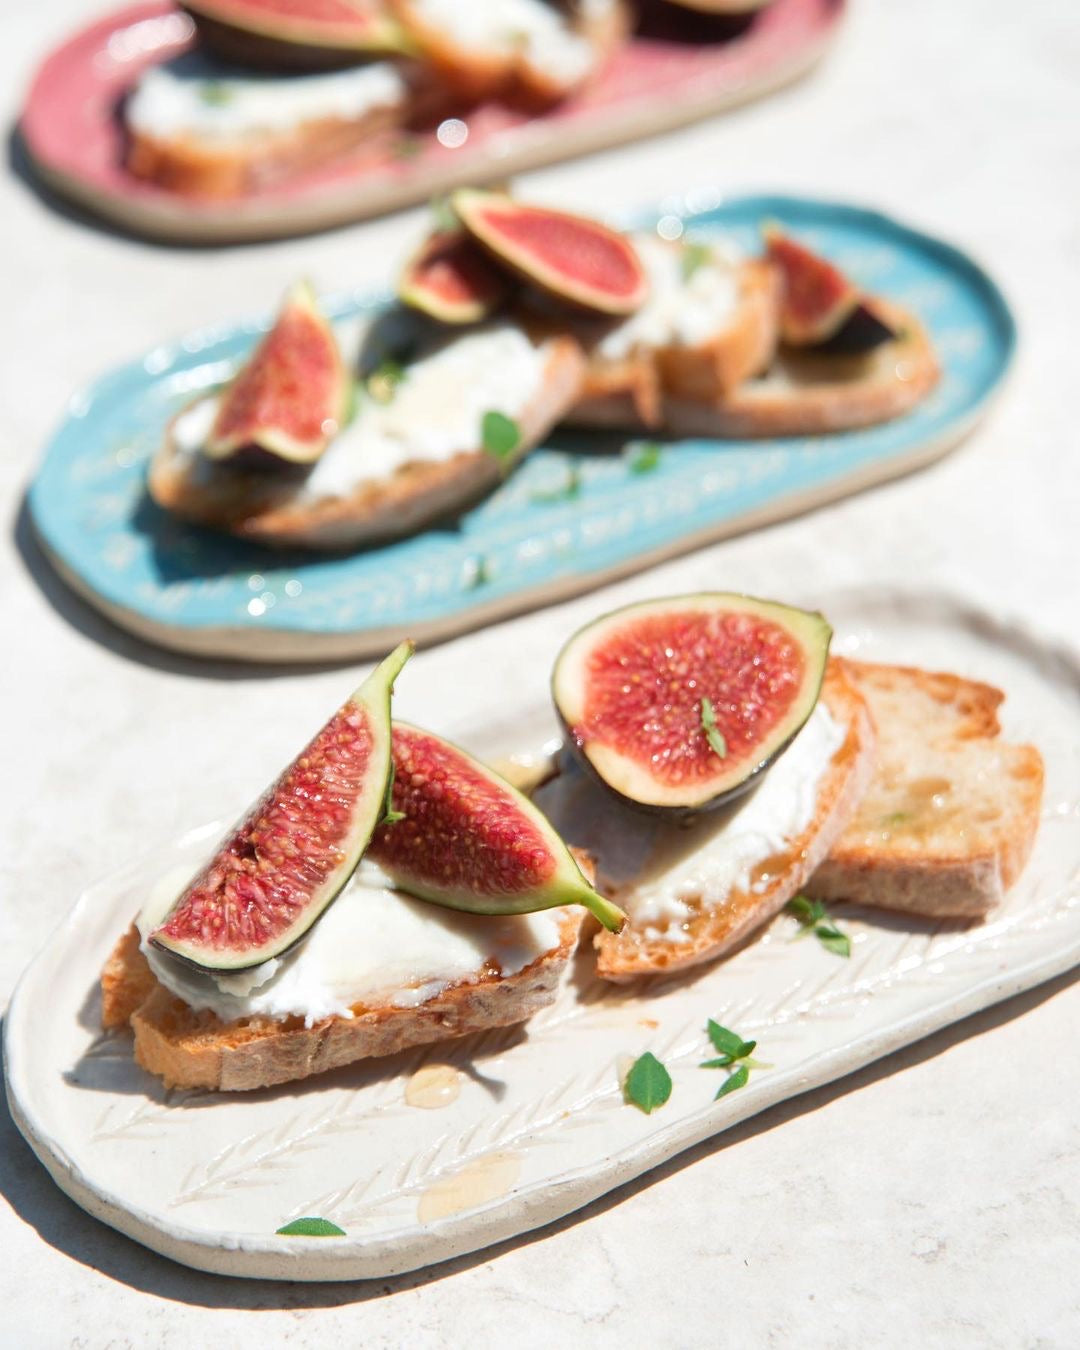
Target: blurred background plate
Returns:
[533, 541]
[75, 139]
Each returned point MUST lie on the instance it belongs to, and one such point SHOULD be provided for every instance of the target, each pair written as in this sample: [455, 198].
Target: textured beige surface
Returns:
[930, 1200]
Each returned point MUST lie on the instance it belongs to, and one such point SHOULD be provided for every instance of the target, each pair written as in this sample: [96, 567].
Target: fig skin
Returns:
[257, 404]
[827, 313]
[241, 876]
[448, 845]
[463, 264]
[245, 35]
[479, 212]
[626, 776]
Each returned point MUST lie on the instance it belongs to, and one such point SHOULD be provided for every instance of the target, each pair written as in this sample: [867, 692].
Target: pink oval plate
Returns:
[75, 138]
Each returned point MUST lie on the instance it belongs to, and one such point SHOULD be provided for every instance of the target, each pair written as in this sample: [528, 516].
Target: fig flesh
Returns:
[278, 870]
[290, 398]
[570, 258]
[681, 704]
[820, 306]
[450, 278]
[460, 836]
[295, 34]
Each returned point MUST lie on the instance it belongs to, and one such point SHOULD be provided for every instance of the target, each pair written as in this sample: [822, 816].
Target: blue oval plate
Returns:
[577, 513]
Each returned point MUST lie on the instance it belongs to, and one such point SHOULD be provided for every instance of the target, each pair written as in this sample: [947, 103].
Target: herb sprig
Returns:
[646, 458]
[713, 734]
[568, 492]
[735, 1055]
[814, 918]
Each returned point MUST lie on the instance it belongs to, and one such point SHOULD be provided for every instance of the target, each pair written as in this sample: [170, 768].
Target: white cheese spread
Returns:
[373, 946]
[193, 96]
[541, 33]
[436, 411]
[685, 307]
[660, 871]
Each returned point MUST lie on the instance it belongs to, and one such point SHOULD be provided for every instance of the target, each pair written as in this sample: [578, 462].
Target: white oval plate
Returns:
[538, 1127]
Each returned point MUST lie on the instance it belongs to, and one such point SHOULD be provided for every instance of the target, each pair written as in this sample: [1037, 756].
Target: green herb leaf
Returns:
[814, 918]
[895, 818]
[733, 1082]
[712, 732]
[808, 912]
[735, 1055]
[648, 1084]
[646, 458]
[727, 1042]
[500, 435]
[832, 939]
[480, 573]
[569, 490]
[215, 94]
[310, 1227]
[693, 257]
[407, 147]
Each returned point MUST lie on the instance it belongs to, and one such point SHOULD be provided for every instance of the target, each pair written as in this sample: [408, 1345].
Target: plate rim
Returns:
[245, 1255]
[156, 214]
[273, 641]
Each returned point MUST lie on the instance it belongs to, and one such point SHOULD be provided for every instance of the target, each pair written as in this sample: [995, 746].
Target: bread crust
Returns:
[197, 166]
[478, 75]
[801, 394]
[713, 931]
[197, 1050]
[257, 506]
[933, 730]
[647, 378]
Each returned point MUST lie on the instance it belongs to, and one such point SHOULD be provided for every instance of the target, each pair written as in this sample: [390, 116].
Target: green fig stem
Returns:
[390, 668]
[609, 913]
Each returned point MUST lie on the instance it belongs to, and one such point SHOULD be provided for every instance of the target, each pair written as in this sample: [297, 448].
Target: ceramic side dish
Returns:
[76, 141]
[444, 1150]
[525, 545]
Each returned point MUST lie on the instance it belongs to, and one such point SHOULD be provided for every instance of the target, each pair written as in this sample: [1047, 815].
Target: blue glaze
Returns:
[88, 500]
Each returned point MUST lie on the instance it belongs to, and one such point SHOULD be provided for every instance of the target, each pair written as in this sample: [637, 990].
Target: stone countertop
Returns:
[931, 1199]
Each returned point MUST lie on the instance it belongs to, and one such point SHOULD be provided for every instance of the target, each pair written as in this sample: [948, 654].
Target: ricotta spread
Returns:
[541, 33]
[660, 871]
[373, 946]
[681, 310]
[193, 96]
[436, 411]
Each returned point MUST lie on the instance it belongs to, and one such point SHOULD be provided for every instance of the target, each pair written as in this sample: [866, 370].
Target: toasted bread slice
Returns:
[201, 129]
[704, 330]
[711, 929]
[338, 504]
[951, 812]
[530, 51]
[192, 1049]
[801, 393]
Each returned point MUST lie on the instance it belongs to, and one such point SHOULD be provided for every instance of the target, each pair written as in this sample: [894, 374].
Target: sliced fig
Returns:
[681, 704]
[278, 870]
[291, 397]
[461, 837]
[571, 258]
[821, 307]
[864, 331]
[295, 34]
[451, 279]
